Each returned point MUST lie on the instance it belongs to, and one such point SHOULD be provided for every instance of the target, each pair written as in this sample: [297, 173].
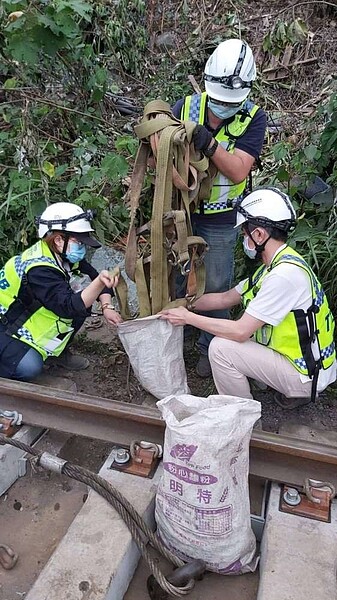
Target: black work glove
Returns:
[201, 138]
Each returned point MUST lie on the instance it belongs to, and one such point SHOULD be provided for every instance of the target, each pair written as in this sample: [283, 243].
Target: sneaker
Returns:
[203, 367]
[69, 361]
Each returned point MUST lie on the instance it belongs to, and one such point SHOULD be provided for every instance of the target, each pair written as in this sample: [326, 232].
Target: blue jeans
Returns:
[30, 366]
[20, 361]
[17, 359]
[219, 263]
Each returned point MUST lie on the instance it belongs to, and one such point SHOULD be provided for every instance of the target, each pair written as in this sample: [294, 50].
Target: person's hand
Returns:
[175, 316]
[112, 316]
[106, 279]
[201, 138]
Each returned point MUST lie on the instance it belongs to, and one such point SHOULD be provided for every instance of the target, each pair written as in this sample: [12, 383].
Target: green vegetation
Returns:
[58, 135]
[63, 62]
[295, 170]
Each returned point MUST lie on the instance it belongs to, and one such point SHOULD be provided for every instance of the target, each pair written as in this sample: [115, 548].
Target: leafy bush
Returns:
[60, 63]
[295, 168]
[59, 139]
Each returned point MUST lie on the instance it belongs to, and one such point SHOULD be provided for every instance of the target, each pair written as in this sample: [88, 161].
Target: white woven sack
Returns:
[202, 502]
[155, 350]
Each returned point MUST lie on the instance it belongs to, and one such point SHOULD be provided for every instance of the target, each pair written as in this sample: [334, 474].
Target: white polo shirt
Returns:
[287, 287]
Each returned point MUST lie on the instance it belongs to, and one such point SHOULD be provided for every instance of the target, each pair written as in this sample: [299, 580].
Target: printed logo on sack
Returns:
[188, 475]
[183, 452]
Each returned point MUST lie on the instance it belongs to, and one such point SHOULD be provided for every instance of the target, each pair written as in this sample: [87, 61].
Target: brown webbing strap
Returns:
[142, 289]
[161, 204]
[134, 193]
[121, 292]
[179, 218]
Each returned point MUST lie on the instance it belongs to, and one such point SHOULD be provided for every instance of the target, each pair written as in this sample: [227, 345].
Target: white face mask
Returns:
[251, 253]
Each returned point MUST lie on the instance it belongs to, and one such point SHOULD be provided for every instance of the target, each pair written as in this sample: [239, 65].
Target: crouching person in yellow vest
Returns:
[39, 311]
[285, 336]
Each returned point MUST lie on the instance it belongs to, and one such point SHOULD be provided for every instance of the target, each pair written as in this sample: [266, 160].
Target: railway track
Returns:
[272, 456]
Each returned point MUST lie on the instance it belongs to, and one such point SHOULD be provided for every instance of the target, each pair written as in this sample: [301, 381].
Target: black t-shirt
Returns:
[252, 139]
[52, 289]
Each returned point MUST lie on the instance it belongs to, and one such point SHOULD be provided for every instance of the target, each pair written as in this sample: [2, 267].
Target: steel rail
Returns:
[272, 456]
[81, 414]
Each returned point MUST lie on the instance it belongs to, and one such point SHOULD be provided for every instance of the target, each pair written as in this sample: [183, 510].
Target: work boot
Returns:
[203, 368]
[69, 361]
[257, 385]
[290, 403]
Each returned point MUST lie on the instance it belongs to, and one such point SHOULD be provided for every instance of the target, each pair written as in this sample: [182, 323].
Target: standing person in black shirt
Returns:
[230, 132]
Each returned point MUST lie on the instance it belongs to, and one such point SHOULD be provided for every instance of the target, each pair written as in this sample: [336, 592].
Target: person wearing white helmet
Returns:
[230, 132]
[39, 311]
[285, 336]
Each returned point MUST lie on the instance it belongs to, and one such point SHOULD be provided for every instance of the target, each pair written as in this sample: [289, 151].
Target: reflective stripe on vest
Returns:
[286, 338]
[223, 190]
[43, 330]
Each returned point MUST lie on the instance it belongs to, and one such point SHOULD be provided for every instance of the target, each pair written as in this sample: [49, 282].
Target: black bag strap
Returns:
[307, 336]
[26, 310]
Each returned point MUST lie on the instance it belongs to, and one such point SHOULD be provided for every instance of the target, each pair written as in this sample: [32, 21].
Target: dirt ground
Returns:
[109, 376]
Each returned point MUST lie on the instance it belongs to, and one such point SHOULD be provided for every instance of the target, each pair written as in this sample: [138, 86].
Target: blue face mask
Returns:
[75, 252]
[223, 112]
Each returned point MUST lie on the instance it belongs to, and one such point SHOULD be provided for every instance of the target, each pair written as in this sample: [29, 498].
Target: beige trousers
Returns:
[232, 362]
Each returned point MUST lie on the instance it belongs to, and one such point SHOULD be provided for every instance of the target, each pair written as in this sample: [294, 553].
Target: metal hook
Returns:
[175, 260]
[183, 268]
[8, 558]
[13, 415]
[312, 483]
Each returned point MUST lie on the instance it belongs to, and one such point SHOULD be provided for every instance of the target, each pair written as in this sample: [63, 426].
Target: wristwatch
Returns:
[210, 150]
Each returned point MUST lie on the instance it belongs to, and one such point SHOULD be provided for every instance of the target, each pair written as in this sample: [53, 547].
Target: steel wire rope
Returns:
[125, 509]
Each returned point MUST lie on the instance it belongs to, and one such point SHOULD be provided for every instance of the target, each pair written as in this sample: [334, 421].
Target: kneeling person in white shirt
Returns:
[285, 337]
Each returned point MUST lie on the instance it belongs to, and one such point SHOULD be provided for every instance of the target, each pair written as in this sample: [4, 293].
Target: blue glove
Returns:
[201, 138]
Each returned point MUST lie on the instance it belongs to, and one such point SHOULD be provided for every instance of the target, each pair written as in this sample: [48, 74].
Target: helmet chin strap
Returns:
[65, 244]
[258, 247]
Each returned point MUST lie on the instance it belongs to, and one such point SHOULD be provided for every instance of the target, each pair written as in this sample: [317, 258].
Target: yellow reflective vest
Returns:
[223, 191]
[36, 326]
[295, 335]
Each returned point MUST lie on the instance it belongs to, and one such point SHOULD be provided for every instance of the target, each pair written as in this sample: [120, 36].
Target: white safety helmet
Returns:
[67, 217]
[266, 207]
[230, 71]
